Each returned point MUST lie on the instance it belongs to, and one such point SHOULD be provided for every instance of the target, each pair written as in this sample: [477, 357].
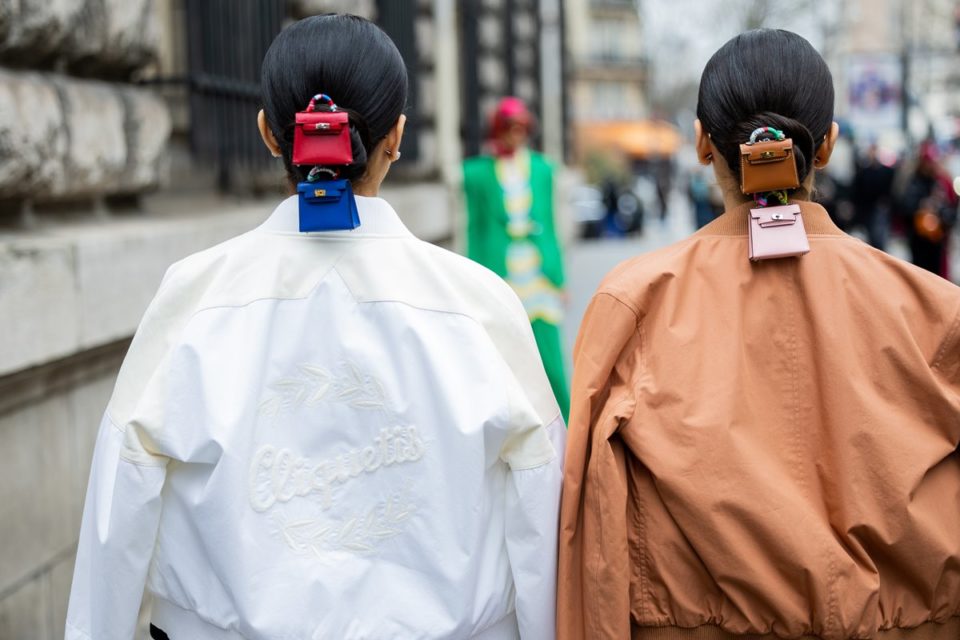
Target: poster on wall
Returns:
[875, 95]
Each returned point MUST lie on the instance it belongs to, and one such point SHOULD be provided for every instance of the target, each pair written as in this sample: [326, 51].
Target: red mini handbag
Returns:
[322, 137]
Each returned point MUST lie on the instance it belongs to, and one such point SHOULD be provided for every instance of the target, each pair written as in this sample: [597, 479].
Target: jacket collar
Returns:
[736, 222]
[377, 220]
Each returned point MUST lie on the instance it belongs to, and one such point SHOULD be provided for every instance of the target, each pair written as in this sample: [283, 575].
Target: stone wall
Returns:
[41, 500]
[108, 38]
[64, 135]
[61, 137]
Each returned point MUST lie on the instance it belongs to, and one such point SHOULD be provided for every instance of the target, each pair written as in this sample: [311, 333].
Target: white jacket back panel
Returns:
[352, 444]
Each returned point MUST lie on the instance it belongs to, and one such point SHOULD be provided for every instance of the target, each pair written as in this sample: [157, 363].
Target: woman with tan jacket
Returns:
[765, 416]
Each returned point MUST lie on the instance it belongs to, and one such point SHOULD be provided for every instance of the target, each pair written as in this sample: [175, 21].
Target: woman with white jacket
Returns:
[326, 434]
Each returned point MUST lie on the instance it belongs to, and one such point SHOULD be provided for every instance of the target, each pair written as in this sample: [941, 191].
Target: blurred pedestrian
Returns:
[511, 230]
[872, 186]
[611, 197]
[343, 433]
[703, 197]
[765, 416]
[930, 204]
[835, 182]
[663, 178]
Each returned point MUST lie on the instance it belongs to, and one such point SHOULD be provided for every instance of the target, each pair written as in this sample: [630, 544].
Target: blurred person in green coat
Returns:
[510, 230]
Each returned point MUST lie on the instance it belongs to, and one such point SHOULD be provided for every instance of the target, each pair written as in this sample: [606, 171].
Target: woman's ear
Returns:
[822, 157]
[704, 148]
[393, 139]
[268, 138]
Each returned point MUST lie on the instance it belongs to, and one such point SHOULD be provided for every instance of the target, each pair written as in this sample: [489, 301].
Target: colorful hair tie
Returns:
[321, 97]
[776, 133]
[763, 199]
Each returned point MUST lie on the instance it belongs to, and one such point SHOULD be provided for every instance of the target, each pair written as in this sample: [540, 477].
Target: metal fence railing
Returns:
[398, 18]
[226, 42]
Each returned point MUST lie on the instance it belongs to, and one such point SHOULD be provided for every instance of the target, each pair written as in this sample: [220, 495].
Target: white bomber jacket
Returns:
[333, 435]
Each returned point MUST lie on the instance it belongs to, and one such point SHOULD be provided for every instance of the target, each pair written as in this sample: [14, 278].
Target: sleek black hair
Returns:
[766, 77]
[346, 57]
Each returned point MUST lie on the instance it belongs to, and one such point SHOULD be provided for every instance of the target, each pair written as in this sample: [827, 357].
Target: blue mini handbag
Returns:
[327, 205]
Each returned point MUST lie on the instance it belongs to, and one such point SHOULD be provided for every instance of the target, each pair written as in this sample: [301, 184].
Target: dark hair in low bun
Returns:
[766, 77]
[350, 59]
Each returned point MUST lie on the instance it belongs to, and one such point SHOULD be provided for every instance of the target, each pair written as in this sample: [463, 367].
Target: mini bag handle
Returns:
[321, 97]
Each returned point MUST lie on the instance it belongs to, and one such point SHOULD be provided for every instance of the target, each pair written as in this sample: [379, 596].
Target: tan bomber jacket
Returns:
[764, 448]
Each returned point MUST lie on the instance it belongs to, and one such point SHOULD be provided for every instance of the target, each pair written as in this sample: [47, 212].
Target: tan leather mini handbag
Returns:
[768, 166]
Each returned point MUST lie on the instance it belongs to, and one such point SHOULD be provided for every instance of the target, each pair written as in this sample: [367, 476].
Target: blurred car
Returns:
[588, 210]
[629, 215]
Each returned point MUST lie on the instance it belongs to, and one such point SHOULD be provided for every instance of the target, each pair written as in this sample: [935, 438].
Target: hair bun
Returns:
[357, 146]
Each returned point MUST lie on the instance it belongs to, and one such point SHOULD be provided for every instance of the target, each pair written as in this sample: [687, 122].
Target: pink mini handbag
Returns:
[777, 232]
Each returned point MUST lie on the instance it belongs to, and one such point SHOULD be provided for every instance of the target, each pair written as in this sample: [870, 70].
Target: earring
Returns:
[390, 153]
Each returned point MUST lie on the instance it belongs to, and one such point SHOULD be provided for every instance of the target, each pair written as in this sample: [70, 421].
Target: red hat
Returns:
[510, 110]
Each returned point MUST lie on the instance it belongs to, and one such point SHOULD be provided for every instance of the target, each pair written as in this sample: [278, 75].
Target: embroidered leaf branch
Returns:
[360, 533]
[314, 384]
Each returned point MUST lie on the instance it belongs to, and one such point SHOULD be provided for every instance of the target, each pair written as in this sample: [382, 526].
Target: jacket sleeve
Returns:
[532, 513]
[117, 537]
[593, 591]
[532, 448]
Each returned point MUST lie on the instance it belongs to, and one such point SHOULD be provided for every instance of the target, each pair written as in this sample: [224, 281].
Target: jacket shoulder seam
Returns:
[618, 296]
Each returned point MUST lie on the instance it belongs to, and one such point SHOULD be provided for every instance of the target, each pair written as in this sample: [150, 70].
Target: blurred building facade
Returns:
[609, 67]
[896, 66]
[128, 137]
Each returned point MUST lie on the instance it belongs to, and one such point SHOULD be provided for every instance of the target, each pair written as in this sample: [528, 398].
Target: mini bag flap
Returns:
[322, 192]
[319, 123]
[767, 152]
[776, 216]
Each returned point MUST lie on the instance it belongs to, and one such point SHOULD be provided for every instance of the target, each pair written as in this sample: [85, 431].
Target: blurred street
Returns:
[588, 261]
